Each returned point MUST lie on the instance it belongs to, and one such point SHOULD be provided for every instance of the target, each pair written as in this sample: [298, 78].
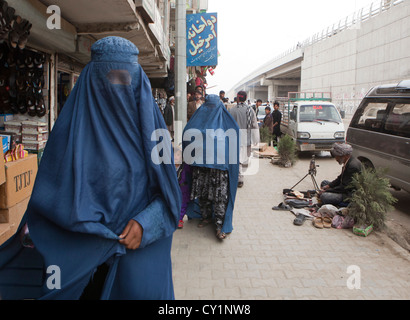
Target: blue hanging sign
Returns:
[202, 40]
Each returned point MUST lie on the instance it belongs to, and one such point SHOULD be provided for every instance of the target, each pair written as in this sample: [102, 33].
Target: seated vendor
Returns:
[337, 191]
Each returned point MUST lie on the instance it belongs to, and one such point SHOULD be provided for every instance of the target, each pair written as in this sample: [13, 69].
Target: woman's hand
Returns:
[132, 235]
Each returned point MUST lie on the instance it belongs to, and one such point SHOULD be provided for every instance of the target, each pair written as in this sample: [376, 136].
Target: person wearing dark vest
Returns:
[277, 119]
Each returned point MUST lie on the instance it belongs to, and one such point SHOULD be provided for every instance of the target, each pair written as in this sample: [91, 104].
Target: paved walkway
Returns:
[267, 257]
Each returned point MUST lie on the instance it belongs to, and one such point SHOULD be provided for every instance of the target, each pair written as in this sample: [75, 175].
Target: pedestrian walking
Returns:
[214, 182]
[247, 122]
[99, 196]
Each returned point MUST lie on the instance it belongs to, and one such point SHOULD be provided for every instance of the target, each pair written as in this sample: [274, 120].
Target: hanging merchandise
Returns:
[21, 81]
[19, 33]
[13, 28]
[4, 78]
[6, 20]
[21, 70]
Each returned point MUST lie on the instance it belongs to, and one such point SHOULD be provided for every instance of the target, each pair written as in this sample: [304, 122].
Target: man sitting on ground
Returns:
[337, 191]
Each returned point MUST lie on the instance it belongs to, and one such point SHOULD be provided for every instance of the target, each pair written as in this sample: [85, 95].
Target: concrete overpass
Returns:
[370, 47]
[274, 79]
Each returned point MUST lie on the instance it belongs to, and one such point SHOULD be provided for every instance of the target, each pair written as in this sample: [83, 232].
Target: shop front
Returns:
[24, 85]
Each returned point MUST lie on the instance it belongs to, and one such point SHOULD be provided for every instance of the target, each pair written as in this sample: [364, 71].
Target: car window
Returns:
[398, 120]
[371, 116]
[319, 112]
[385, 117]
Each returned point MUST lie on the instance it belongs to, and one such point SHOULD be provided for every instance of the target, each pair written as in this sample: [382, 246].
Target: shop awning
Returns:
[86, 21]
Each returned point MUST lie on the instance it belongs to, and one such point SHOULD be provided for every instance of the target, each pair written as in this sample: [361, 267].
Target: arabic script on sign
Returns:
[202, 39]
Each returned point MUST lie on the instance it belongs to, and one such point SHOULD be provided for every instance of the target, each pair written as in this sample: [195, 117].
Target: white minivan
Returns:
[312, 121]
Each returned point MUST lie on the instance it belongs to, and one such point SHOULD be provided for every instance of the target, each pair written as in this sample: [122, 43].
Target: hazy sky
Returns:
[251, 33]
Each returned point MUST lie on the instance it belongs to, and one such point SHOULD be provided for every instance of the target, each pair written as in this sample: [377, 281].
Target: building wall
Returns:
[349, 63]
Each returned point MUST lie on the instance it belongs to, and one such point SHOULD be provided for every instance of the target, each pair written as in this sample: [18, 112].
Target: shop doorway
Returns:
[63, 90]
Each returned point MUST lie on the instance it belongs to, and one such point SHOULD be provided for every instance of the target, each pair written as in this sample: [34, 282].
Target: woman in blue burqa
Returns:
[102, 203]
[211, 147]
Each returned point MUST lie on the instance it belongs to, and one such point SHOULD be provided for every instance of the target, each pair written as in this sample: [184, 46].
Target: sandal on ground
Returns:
[220, 235]
[299, 219]
[327, 222]
[203, 223]
[318, 223]
[282, 207]
[180, 224]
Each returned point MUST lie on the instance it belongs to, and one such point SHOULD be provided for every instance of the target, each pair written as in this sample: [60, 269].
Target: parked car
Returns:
[380, 132]
[261, 112]
[312, 121]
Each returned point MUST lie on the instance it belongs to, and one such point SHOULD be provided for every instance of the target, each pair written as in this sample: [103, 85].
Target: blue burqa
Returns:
[211, 140]
[96, 174]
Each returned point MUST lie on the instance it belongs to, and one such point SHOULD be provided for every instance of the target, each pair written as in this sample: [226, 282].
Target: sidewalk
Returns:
[267, 257]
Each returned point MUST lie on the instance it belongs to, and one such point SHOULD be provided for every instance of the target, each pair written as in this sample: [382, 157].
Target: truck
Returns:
[312, 120]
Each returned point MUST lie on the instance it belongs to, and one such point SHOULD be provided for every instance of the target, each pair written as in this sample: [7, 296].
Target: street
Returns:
[267, 257]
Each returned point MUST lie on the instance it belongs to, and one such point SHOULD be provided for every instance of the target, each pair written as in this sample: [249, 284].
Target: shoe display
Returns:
[21, 70]
[18, 36]
[40, 108]
[6, 20]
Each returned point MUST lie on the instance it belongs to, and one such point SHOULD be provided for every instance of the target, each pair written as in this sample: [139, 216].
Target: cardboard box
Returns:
[5, 232]
[4, 118]
[2, 168]
[39, 154]
[34, 145]
[20, 178]
[14, 214]
[34, 127]
[13, 126]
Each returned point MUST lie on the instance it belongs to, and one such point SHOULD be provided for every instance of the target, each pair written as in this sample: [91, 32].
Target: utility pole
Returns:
[180, 74]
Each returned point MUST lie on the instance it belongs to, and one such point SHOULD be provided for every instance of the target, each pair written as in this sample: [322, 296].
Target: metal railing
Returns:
[350, 22]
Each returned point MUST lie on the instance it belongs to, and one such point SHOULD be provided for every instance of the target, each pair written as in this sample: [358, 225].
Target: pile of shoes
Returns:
[21, 70]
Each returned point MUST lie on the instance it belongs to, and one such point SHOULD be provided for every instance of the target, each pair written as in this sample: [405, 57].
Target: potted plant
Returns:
[370, 201]
[287, 151]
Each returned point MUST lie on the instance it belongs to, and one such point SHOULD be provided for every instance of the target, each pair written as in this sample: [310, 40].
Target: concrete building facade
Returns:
[371, 47]
[369, 53]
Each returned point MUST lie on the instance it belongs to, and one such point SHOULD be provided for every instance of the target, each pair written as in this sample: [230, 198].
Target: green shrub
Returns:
[265, 135]
[287, 151]
[371, 199]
